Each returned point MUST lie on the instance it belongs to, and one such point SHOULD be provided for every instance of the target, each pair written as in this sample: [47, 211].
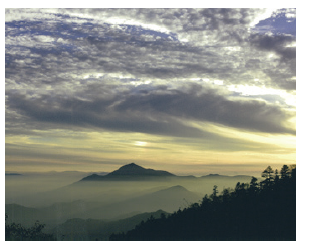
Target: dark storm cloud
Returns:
[69, 113]
[206, 105]
[156, 111]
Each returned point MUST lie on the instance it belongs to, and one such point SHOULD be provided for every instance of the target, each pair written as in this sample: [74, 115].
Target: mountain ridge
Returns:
[129, 171]
[132, 171]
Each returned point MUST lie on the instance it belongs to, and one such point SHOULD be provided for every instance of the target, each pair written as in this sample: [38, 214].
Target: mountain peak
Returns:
[128, 172]
[134, 169]
[128, 169]
[131, 166]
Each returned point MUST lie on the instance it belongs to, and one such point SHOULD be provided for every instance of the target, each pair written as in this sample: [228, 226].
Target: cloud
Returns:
[53, 50]
[82, 86]
[155, 110]
[281, 21]
[198, 103]
[281, 45]
[72, 113]
[276, 43]
[79, 67]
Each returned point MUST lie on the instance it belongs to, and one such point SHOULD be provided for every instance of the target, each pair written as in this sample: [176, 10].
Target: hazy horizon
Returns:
[40, 189]
[80, 172]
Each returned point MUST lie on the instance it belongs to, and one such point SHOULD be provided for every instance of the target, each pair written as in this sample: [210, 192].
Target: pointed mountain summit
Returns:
[130, 172]
[134, 169]
[128, 169]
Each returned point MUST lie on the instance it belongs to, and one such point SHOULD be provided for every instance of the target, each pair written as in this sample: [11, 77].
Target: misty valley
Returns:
[83, 206]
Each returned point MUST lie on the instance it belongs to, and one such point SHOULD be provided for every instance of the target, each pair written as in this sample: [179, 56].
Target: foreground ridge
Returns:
[257, 211]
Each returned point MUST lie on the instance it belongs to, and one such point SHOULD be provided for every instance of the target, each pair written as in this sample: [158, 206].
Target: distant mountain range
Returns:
[129, 172]
[133, 171]
[80, 209]
[127, 182]
[168, 199]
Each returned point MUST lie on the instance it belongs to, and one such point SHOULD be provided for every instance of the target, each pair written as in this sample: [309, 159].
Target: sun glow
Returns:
[140, 143]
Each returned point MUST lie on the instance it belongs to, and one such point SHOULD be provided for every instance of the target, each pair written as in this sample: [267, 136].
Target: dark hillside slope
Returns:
[255, 211]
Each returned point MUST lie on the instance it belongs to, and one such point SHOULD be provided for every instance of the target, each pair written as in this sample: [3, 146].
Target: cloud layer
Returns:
[151, 71]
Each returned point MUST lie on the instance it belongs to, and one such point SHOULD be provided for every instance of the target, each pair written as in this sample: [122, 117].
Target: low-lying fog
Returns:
[56, 198]
[19, 187]
[43, 189]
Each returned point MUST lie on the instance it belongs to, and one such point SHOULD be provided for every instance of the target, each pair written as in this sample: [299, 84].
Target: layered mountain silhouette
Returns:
[129, 181]
[88, 209]
[129, 172]
[79, 229]
[169, 199]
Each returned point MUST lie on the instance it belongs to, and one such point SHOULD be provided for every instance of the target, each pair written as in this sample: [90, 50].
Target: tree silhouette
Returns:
[16, 232]
[248, 212]
[254, 183]
[285, 171]
[268, 175]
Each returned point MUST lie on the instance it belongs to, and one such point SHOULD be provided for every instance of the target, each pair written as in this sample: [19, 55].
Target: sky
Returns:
[190, 91]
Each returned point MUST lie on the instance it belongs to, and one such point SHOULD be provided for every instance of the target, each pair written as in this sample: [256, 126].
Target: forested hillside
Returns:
[257, 211]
